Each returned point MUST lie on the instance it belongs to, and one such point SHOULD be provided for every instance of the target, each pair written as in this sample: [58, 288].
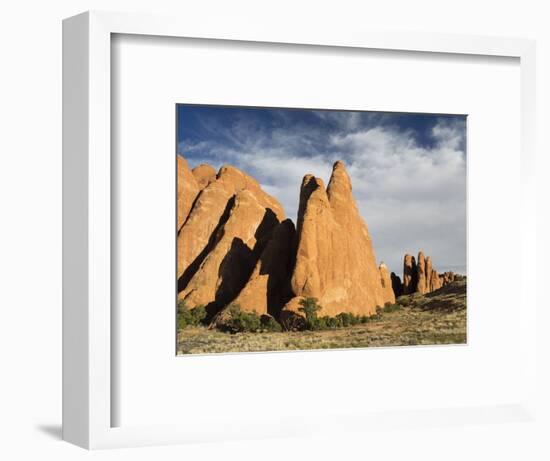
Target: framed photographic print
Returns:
[271, 259]
[302, 221]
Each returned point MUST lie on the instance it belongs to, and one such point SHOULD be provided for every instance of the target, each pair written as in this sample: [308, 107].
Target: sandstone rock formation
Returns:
[335, 260]
[204, 174]
[396, 284]
[422, 271]
[447, 277]
[210, 211]
[268, 288]
[235, 249]
[386, 281]
[420, 277]
[435, 281]
[410, 275]
[227, 234]
[188, 189]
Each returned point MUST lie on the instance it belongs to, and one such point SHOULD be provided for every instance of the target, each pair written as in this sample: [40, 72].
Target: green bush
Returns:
[291, 321]
[268, 323]
[235, 320]
[344, 319]
[190, 317]
[404, 300]
[238, 321]
[347, 319]
[323, 323]
[333, 322]
[310, 308]
[389, 308]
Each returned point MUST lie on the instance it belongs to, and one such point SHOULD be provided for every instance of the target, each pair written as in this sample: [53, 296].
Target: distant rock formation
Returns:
[335, 260]
[435, 281]
[410, 275]
[422, 271]
[448, 277]
[420, 277]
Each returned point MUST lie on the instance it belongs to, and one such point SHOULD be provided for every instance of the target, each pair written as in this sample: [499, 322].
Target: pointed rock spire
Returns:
[385, 279]
[420, 277]
[422, 269]
[335, 260]
[410, 274]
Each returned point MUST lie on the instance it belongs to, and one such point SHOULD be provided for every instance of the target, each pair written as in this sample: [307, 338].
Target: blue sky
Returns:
[408, 170]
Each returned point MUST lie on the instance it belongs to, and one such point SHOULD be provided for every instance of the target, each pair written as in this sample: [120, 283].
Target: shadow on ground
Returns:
[54, 431]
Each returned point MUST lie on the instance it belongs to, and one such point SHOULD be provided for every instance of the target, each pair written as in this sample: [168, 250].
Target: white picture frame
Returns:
[87, 359]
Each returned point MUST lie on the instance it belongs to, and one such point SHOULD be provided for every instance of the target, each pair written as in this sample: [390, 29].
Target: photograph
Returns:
[229, 200]
[308, 229]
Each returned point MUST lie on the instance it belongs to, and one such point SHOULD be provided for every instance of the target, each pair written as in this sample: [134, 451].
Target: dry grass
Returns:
[437, 318]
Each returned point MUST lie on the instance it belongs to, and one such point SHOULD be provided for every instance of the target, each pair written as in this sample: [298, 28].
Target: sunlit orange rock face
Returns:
[188, 189]
[211, 210]
[204, 174]
[335, 260]
[236, 247]
[385, 279]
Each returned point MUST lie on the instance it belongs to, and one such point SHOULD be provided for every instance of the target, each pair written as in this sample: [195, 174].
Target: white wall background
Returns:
[30, 234]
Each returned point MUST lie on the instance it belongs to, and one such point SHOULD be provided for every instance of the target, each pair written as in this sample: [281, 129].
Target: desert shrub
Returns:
[198, 314]
[343, 319]
[323, 323]
[310, 308]
[291, 321]
[333, 322]
[237, 321]
[377, 315]
[268, 323]
[403, 300]
[389, 308]
[189, 317]
[347, 319]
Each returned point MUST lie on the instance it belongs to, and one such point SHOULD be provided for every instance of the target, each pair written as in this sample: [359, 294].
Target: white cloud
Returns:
[412, 195]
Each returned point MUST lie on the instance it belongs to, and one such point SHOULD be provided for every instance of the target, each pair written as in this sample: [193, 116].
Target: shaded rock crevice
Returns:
[229, 263]
[190, 270]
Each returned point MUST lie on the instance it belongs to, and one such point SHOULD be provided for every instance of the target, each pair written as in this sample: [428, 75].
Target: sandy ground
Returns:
[437, 318]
